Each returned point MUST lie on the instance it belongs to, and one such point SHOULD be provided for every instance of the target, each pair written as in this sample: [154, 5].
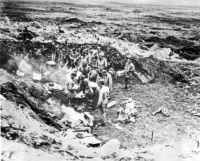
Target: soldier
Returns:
[27, 36]
[107, 79]
[84, 69]
[103, 99]
[40, 51]
[70, 87]
[129, 70]
[102, 62]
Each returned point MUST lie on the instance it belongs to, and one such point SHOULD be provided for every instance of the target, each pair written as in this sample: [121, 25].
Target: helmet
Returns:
[84, 62]
[102, 82]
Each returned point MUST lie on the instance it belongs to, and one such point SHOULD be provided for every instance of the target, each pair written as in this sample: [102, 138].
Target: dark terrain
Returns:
[136, 28]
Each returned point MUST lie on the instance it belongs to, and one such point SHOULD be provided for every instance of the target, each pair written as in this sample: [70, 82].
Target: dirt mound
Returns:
[196, 38]
[73, 20]
[163, 71]
[175, 73]
[175, 41]
[26, 121]
[28, 96]
[170, 40]
[112, 10]
[189, 53]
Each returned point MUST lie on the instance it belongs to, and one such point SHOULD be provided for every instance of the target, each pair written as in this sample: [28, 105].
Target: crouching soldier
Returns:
[84, 68]
[92, 93]
[103, 99]
[93, 76]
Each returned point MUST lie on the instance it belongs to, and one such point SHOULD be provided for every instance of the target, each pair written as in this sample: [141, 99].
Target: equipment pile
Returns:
[128, 111]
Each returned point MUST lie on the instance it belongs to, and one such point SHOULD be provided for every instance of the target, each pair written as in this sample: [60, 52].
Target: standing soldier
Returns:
[107, 79]
[27, 36]
[102, 62]
[74, 56]
[103, 100]
[70, 87]
[129, 71]
[54, 55]
[93, 63]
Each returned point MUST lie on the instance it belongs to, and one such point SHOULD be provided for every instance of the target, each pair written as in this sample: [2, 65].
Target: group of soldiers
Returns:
[89, 74]
[91, 77]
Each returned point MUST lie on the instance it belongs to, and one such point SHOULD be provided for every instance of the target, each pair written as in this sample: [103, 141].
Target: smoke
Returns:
[8, 63]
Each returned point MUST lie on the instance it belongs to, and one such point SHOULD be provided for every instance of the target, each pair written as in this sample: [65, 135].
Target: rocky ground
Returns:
[137, 28]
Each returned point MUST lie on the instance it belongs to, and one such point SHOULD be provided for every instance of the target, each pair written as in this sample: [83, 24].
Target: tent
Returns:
[162, 54]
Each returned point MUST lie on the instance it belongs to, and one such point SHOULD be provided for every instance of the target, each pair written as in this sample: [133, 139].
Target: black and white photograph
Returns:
[100, 80]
